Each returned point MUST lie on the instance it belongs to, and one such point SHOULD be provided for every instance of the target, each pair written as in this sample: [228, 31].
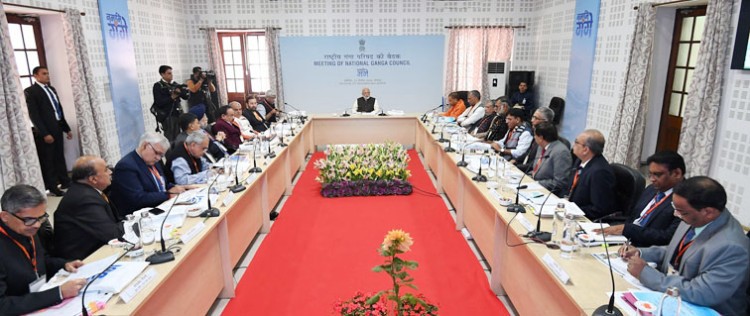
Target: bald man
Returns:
[593, 180]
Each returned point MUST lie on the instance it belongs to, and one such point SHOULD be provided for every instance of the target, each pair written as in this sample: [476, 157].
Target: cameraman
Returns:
[200, 92]
[167, 107]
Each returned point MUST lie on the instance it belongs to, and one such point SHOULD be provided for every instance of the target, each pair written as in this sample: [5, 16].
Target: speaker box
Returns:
[516, 77]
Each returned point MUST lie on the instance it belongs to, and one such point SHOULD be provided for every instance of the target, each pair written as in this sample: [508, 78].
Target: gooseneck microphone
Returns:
[210, 211]
[255, 168]
[517, 207]
[424, 116]
[84, 311]
[163, 255]
[608, 309]
[237, 187]
[463, 162]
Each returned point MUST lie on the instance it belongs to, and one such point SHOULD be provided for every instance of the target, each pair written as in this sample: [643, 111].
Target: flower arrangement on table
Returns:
[396, 242]
[364, 170]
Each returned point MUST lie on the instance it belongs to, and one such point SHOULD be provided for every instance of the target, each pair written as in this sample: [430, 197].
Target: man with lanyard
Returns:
[138, 180]
[25, 265]
[708, 257]
[652, 222]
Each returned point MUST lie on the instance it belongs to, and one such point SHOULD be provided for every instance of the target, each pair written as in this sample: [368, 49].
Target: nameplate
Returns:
[526, 224]
[228, 198]
[251, 178]
[137, 285]
[192, 232]
[557, 270]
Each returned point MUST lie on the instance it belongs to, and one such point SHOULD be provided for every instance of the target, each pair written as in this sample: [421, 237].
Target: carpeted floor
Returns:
[322, 249]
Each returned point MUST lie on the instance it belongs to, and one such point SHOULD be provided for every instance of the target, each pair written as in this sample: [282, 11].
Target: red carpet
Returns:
[322, 249]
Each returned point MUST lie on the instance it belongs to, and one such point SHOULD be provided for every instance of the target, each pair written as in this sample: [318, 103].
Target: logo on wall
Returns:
[118, 26]
[361, 45]
[584, 23]
[362, 72]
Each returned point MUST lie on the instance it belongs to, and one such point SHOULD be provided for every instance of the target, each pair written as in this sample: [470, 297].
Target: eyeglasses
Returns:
[30, 221]
[160, 154]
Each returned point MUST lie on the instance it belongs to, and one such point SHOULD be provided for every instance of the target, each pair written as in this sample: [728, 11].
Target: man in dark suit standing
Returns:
[138, 180]
[593, 185]
[652, 221]
[47, 115]
[85, 220]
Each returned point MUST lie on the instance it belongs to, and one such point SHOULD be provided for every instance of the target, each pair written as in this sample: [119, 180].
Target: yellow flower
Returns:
[399, 239]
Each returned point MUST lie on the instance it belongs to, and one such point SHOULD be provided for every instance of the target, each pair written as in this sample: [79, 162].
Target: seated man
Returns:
[652, 222]
[241, 121]
[541, 115]
[225, 125]
[84, 220]
[523, 98]
[552, 161]
[257, 122]
[708, 257]
[475, 112]
[481, 128]
[189, 123]
[24, 263]
[457, 106]
[365, 103]
[593, 185]
[499, 127]
[138, 180]
[268, 104]
[186, 161]
[517, 140]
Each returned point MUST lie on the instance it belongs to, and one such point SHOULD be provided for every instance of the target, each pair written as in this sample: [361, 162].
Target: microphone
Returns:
[424, 116]
[345, 113]
[237, 187]
[255, 168]
[607, 309]
[164, 255]
[480, 177]
[463, 162]
[538, 233]
[211, 211]
[281, 137]
[449, 149]
[271, 154]
[85, 312]
[516, 207]
[382, 113]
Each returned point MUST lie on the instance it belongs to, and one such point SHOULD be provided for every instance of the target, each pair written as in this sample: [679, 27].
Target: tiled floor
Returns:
[220, 304]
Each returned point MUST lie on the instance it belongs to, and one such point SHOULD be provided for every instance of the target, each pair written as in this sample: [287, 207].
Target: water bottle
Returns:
[557, 218]
[147, 229]
[568, 241]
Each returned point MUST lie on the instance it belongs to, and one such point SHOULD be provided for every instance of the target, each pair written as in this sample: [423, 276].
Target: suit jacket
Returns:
[713, 271]
[660, 226]
[524, 164]
[133, 186]
[259, 125]
[554, 169]
[233, 134]
[42, 112]
[16, 273]
[84, 222]
[595, 192]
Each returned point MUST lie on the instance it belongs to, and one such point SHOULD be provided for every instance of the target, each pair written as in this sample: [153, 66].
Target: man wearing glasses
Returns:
[85, 220]
[25, 265]
[138, 180]
[593, 185]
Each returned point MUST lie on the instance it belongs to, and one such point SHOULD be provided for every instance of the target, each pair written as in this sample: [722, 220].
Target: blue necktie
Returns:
[690, 235]
[644, 220]
[58, 109]
[659, 197]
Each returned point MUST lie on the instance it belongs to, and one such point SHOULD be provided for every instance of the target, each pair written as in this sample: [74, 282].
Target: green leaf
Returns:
[377, 269]
[373, 299]
[411, 286]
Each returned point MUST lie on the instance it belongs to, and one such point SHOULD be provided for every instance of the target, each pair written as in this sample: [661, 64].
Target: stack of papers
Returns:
[72, 306]
[591, 238]
[395, 112]
[627, 302]
[619, 266]
[113, 280]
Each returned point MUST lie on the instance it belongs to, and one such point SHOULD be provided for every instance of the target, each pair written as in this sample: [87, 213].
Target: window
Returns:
[26, 39]
[245, 59]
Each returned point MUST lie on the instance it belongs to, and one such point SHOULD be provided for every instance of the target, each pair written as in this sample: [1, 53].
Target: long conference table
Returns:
[202, 270]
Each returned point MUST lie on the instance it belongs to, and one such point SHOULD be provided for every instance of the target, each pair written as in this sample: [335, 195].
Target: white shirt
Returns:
[637, 221]
[52, 98]
[524, 142]
[471, 115]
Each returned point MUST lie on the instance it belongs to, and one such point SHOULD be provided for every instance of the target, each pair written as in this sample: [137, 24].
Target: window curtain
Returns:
[704, 94]
[274, 65]
[625, 139]
[215, 63]
[469, 50]
[18, 158]
[91, 128]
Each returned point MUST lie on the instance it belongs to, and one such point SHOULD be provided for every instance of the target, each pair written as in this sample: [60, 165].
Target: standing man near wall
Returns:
[46, 114]
[167, 107]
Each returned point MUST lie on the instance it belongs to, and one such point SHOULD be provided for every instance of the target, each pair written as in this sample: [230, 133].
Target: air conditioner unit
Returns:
[497, 74]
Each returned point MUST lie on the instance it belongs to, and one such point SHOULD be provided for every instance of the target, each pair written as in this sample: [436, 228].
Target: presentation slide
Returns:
[326, 75]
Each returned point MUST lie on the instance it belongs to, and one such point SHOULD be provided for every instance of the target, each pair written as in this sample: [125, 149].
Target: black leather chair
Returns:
[558, 106]
[629, 184]
[464, 95]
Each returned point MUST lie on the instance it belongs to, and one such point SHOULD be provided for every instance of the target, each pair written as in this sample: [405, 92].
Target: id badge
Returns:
[37, 284]
[671, 270]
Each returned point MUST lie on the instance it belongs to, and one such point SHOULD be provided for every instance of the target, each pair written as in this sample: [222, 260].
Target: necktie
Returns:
[104, 196]
[575, 180]
[157, 178]
[539, 162]
[55, 103]
[659, 197]
[657, 201]
[687, 240]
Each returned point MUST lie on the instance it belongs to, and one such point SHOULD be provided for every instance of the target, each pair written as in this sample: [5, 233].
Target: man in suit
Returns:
[257, 121]
[225, 125]
[46, 113]
[138, 180]
[25, 265]
[552, 162]
[186, 162]
[593, 181]
[541, 115]
[365, 103]
[652, 221]
[708, 257]
[85, 220]
[167, 99]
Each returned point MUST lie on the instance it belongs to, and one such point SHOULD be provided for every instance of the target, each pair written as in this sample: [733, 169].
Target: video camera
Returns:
[178, 89]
